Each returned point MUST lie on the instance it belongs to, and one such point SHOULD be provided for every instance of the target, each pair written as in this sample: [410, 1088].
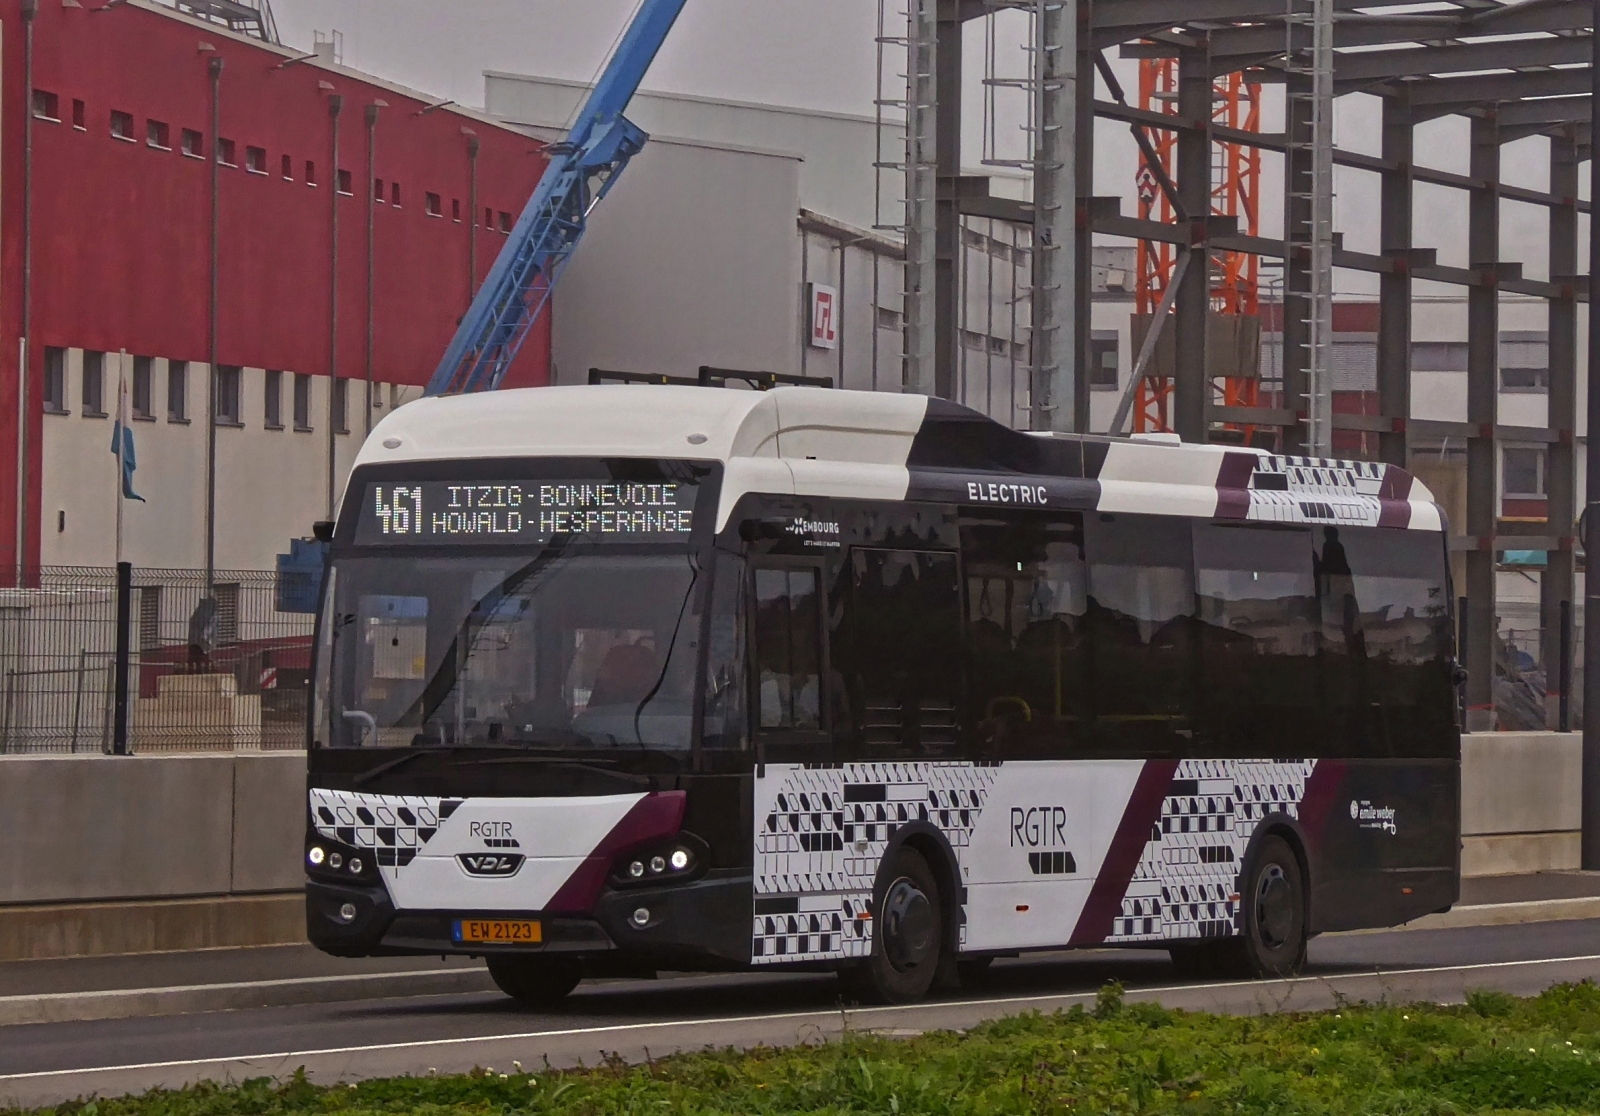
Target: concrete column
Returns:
[1483, 366]
[1192, 375]
[1556, 586]
[1394, 288]
[1297, 266]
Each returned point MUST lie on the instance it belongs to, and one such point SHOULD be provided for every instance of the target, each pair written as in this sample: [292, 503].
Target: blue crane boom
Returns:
[582, 170]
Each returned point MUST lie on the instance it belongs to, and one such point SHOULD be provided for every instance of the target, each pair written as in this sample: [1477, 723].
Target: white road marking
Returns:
[779, 1016]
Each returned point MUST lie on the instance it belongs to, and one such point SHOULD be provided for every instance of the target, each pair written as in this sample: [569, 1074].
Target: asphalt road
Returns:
[44, 1063]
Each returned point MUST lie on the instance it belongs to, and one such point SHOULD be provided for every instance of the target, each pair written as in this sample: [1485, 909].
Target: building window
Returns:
[177, 391]
[302, 402]
[158, 135]
[46, 106]
[394, 194]
[225, 153]
[1525, 361]
[288, 169]
[273, 409]
[339, 404]
[1104, 355]
[488, 217]
[455, 210]
[143, 373]
[1438, 356]
[192, 144]
[1522, 472]
[505, 221]
[377, 190]
[346, 186]
[79, 116]
[888, 319]
[311, 173]
[94, 384]
[433, 205]
[255, 160]
[55, 381]
[228, 392]
[122, 125]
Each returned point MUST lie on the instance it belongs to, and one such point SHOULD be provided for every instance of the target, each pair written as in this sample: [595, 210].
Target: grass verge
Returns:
[1496, 1054]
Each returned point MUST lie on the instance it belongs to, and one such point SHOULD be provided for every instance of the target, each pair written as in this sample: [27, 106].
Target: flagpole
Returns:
[122, 437]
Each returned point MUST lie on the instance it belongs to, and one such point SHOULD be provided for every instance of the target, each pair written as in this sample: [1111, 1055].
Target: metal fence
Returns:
[222, 669]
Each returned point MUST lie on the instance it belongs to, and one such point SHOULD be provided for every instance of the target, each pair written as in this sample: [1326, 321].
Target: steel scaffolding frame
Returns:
[1515, 69]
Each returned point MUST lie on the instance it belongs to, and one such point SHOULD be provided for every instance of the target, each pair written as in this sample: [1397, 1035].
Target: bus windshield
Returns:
[558, 650]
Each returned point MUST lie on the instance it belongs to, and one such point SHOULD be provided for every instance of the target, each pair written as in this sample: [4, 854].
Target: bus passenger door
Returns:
[789, 661]
[903, 677]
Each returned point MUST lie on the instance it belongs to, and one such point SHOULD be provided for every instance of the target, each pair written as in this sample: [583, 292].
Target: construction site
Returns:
[766, 520]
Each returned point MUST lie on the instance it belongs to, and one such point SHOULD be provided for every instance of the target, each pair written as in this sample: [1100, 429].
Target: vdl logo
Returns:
[490, 864]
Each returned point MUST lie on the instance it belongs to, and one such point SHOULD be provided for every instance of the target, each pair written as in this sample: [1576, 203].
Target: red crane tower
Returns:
[1236, 174]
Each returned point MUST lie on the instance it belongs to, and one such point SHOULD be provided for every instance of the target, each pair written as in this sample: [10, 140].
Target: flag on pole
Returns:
[122, 441]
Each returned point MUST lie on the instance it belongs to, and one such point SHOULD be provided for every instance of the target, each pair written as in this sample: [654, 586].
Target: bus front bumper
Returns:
[702, 923]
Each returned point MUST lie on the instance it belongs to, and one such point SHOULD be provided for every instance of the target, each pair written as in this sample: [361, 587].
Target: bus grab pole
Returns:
[1591, 542]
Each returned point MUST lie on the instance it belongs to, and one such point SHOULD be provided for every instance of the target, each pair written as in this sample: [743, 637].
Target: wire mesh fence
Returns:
[223, 668]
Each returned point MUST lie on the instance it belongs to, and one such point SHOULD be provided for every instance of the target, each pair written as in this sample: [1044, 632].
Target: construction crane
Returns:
[583, 169]
[1236, 176]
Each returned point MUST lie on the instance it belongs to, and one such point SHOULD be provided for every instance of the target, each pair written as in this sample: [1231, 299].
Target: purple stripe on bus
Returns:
[1324, 787]
[655, 817]
[1233, 485]
[1395, 498]
[1122, 857]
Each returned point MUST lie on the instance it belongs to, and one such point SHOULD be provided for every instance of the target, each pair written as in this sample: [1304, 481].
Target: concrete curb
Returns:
[63, 1007]
[83, 1006]
[1510, 914]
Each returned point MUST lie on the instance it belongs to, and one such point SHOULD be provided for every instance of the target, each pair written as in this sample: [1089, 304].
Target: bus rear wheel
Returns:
[907, 933]
[534, 981]
[1272, 937]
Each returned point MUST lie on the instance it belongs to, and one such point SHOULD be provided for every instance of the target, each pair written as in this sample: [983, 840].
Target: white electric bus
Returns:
[614, 679]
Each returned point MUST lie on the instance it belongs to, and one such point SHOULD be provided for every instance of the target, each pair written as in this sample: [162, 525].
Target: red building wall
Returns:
[121, 231]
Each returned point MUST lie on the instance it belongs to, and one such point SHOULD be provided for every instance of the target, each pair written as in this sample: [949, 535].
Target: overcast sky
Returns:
[821, 54]
[811, 53]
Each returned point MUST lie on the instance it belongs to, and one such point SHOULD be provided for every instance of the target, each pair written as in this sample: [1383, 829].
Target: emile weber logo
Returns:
[1368, 816]
[1043, 831]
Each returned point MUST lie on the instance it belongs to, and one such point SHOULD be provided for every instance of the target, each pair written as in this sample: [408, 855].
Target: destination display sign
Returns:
[435, 513]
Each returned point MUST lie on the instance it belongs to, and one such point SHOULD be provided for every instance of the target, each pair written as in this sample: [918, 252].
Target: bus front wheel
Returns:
[907, 932]
[534, 981]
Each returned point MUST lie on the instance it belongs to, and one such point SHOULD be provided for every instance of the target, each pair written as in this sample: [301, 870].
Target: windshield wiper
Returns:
[384, 768]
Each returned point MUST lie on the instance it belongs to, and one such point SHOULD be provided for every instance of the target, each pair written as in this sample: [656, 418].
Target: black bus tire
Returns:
[1272, 930]
[535, 981]
[907, 933]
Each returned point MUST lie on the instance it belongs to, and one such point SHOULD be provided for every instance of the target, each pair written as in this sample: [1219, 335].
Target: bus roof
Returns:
[816, 442]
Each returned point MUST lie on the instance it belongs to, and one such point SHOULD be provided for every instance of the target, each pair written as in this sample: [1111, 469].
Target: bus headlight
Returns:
[316, 856]
[679, 859]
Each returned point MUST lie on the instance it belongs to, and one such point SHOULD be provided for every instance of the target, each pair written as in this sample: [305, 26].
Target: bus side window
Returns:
[788, 649]
[903, 676]
[1027, 588]
[1386, 626]
[1260, 626]
[1140, 627]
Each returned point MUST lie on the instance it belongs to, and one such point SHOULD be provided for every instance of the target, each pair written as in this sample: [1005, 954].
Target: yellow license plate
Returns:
[499, 931]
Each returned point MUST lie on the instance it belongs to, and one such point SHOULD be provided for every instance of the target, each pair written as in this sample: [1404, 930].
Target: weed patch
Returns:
[1495, 1054]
